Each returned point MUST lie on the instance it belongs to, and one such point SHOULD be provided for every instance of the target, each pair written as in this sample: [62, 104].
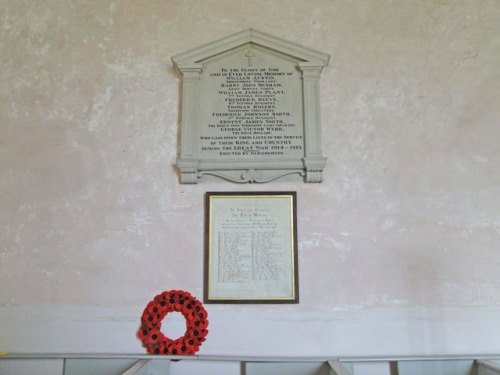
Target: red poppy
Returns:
[164, 349]
[142, 333]
[164, 296]
[173, 294]
[199, 324]
[153, 350]
[154, 336]
[183, 295]
[192, 344]
[154, 308]
[175, 349]
[178, 306]
[187, 308]
[202, 314]
[201, 339]
[203, 333]
[150, 320]
[189, 317]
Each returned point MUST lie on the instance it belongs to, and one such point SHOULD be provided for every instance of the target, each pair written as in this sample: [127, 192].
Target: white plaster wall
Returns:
[399, 247]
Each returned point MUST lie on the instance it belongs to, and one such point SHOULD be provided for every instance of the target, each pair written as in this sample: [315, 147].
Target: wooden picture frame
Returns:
[251, 247]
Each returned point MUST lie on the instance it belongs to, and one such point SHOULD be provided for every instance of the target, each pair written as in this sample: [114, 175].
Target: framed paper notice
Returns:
[251, 247]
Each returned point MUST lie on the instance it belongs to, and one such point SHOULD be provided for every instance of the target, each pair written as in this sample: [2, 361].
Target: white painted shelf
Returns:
[138, 364]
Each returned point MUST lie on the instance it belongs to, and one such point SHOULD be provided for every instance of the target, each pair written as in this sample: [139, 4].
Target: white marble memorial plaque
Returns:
[250, 110]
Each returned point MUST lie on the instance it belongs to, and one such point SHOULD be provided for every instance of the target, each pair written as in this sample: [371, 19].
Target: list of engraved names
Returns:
[251, 114]
[250, 248]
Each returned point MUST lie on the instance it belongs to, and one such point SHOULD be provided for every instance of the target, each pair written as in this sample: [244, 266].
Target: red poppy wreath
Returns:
[155, 341]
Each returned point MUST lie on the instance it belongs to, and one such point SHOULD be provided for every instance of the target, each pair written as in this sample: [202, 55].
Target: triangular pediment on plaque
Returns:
[250, 110]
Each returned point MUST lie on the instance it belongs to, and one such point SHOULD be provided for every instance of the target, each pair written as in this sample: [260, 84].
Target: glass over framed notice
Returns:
[251, 247]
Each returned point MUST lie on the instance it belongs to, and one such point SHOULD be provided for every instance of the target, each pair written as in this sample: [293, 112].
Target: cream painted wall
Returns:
[399, 247]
